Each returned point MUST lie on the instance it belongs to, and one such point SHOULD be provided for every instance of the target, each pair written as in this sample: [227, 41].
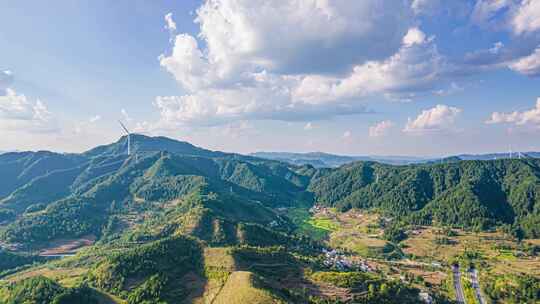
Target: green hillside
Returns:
[82, 200]
[54, 195]
[479, 194]
[19, 168]
[149, 272]
[39, 290]
[9, 260]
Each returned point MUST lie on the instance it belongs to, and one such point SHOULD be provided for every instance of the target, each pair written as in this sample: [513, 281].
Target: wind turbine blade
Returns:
[124, 127]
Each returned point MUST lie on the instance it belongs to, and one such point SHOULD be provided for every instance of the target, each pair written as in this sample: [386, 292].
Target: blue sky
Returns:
[406, 77]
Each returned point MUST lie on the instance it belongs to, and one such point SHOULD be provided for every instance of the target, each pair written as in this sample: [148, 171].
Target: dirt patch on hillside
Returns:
[67, 246]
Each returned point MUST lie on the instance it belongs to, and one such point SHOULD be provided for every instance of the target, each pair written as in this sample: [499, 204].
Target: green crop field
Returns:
[324, 224]
[316, 228]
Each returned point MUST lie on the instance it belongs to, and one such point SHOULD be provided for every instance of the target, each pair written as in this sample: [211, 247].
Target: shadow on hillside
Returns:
[278, 272]
[103, 298]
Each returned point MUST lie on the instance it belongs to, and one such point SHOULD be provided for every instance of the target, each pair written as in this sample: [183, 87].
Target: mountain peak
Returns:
[142, 143]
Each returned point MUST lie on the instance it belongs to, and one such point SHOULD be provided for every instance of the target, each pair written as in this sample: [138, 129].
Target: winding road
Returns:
[476, 285]
[460, 295]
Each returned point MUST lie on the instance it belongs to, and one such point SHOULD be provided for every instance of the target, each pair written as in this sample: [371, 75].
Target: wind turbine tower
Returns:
[128, 138]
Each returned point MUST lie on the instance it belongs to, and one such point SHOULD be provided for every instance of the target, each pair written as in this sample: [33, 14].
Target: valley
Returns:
[426, 257]
[175, 223]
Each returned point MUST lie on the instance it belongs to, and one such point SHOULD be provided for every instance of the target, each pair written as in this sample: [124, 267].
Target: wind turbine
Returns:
[128, 138]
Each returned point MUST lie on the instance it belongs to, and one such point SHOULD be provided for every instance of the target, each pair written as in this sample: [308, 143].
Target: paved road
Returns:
[476, 285]
[460, 295]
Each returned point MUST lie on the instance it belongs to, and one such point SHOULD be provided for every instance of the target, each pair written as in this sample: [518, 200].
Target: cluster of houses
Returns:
[425, 297]
[336, 259]
[320, 210]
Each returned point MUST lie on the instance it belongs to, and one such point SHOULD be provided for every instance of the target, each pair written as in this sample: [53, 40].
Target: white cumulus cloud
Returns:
[527, 17]
[246, 62]
[417, 66]
[528, 65]
[437, 119]
[414, 36]
[244, 36]
[169, 23]
[484, 12]
[17, 113]
[529, 117]
[518, 16]
[381, 128]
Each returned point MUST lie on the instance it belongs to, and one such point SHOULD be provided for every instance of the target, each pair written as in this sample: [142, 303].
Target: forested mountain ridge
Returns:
[42, 188]
[82, 199]
[465, 193]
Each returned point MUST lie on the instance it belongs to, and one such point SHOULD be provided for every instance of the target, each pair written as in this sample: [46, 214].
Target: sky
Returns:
[371, 77]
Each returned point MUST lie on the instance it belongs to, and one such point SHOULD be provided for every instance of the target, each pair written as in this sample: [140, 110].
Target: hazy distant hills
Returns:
[326, 160]
[493, 156]
[322, 160]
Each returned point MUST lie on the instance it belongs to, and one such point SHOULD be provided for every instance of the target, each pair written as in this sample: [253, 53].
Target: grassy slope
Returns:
[240, 288]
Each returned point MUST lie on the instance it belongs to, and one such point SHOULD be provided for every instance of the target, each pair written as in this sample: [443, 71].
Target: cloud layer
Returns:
[528, 65]
[530, 117]
[246, 63]
[17, 113]
[252, 66]
[381, 128]
[440, 118]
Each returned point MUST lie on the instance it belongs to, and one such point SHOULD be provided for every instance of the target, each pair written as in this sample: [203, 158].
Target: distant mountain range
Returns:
[321, 159]
[492, 156]
[326, 160]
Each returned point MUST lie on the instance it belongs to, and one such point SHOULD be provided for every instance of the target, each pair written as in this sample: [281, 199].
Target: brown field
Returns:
[66, 276]
[219, 257]
[423, 246]
[67, 246]
[357, 231]
[533, 241]
[433, 277]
